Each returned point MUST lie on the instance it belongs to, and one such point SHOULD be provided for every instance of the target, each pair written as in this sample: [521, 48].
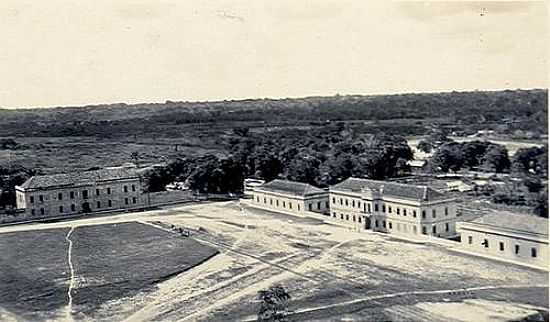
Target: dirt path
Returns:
[69, 316]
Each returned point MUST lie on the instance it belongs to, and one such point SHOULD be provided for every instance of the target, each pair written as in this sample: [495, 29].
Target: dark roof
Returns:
[82, 178]
[290, 187]
[391, 189]
[513, 221]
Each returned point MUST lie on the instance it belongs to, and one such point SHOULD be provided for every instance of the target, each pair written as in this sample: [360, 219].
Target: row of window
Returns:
[388, 209]
[72, 194]
[276, 201]
[403, 227]
[348, 217]
[98, 206]
[501, 247]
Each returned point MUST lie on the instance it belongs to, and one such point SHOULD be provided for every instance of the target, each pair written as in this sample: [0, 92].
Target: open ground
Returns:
[331, 273]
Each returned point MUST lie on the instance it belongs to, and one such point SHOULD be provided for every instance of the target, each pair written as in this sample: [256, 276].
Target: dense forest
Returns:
[521, 109]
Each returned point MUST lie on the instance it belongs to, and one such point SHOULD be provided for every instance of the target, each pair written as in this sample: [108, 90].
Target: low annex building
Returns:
[80, 192]
[291, 197]
[517, 237]
[392, 207]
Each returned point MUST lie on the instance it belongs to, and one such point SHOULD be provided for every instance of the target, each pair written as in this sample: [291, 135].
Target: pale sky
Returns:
[60, 52]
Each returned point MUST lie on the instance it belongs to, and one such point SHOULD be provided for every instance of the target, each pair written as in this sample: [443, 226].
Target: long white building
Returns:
[80, 192]
[520, 238]
[394, 208]
[290, 197]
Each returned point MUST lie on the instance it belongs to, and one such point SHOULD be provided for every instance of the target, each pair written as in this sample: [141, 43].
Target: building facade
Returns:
[517, 237]
[395, 208]
[290, 197]
[81, 192]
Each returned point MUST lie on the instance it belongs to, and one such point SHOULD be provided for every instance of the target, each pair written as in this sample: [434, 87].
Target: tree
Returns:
[531, 160]
[273, 304]
[495, 159]
[425, 146]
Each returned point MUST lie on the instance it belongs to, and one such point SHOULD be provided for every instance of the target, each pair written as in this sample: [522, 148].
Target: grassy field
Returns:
[111, 262]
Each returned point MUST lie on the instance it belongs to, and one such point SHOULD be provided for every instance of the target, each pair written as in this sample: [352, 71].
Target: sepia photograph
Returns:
[274, 160]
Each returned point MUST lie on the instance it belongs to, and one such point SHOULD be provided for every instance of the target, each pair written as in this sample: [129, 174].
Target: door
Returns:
[86, 207]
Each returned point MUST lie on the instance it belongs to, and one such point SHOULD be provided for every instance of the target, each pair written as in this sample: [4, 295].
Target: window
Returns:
[517, 249]
[133, 187]
[423, 214]
[298, 207]
[424, 230]
[326, 205]
[359, 219]
[126, 200]
[265, 200]
[85, 194]
[346, 202]
[376, 223]
[384, 223]
[32, 212]
[390, 225]
[414, 213]
[375, 207]
[41, 198]
[333, 200]
[290, 205]
[353, 203]
[32, 199]
[319, 205]
[97, 192]
[353, 218]
[98, 204]
[501, 246]
[125, 188]
[470, 240]
[383, 208]
[134, 200]
[334, 214]
[533, 252]
[405, 212]
[446, 211]
[270, 201]
[309, 207]
[109, 203]
[61, 209]
[341, 216]
[257, 199]
[108, 191]
[389, 209]
[447, 226]
[341, 201]
[434, 229]
[347, 216]
[41, 211]
[485, 243]
[358, 204]
[73, 207]
[71, 194]
[433, 213]
[368, 207]
[277, 202]
[284, 204]
[60, 196]
[397, 211]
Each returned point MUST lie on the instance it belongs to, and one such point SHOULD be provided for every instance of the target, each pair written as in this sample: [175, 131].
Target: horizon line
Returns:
[219, 100]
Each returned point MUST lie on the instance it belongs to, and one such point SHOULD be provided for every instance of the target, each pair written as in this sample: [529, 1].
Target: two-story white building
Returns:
[515, 237]
[80, 192]
[290, 197]
[392, 207]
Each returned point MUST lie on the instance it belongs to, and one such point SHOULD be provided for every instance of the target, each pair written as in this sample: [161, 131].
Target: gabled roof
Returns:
[390, 189]
[290, 187]
[82, 178]
[514, 221]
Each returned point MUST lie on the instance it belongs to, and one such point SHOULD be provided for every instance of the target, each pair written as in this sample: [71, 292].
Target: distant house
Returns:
[80, 192]
[391, 207]
[417, 166]
[290, 197]
[459, 185]
[250, 184]
[517, 237]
